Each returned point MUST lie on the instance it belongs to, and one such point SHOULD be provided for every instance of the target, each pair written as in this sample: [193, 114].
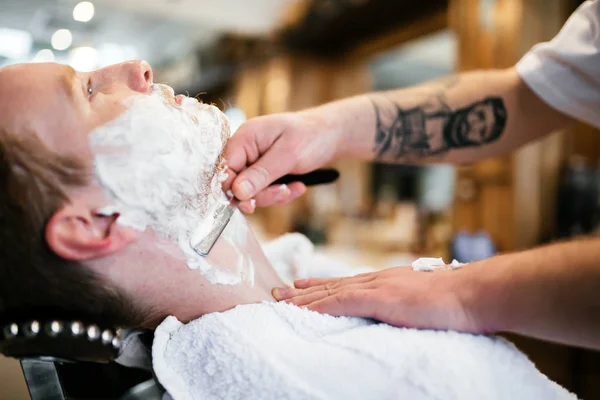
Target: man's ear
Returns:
[77, 233]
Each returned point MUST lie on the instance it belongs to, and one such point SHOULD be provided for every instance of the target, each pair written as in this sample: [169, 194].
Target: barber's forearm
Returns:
[551, 293]
[460, 119]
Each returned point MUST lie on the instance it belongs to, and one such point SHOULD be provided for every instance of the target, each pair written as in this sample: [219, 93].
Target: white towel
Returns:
[279, 351]
[293, 256]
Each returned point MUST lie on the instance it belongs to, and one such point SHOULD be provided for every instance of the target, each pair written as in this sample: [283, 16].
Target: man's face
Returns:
[476, 127]
[151, 153]
[62, 106]
[160, 164]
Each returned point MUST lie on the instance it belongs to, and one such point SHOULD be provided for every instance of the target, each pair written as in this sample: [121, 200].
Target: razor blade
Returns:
[222, 213]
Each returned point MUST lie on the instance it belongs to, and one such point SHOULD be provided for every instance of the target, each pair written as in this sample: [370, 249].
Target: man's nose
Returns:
[139, 75]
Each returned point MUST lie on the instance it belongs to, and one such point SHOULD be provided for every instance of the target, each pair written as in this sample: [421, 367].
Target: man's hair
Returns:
[35, 283]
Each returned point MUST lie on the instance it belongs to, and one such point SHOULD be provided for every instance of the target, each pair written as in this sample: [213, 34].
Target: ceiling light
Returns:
[15, 44]
[62, 39]
[83, 12]
[45, 55]
[83, 59]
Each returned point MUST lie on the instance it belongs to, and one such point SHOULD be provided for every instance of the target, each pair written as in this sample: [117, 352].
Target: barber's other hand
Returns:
[266, 148]
[397, 296]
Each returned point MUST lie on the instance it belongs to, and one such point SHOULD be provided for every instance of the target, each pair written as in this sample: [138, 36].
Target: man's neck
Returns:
[237, 272]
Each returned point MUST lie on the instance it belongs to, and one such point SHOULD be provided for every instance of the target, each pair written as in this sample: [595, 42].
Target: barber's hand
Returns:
[266, 148]
[397, 296]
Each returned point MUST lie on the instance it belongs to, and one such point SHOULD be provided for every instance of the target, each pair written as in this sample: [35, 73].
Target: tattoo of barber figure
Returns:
[407, 132]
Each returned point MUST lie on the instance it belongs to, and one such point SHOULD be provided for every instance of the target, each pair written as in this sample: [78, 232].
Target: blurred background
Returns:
[258, 57]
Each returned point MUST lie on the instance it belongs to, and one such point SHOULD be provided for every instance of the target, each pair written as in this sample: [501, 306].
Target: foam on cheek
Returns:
[160, 165]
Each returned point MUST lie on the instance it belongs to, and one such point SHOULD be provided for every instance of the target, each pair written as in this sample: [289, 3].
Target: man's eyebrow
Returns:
[68, 81]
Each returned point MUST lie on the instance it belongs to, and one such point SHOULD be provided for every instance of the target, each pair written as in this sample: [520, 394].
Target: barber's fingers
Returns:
[329, 287]
[258, 155]
[297, 189]
[351, 303]
[280, 194]
[248, 206]
[274, 164]
[231, 175]
[313, 282]
[273, 196]
[253, 138]
[311, 297]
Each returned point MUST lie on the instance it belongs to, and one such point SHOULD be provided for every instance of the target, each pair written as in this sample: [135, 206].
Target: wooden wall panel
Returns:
[490, 181]
[277, 79]
[584, 140]
[352, 78]
[249, 91]
[526, 178]
[537, 166]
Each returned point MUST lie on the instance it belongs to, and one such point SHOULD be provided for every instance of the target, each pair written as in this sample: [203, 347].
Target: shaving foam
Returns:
[162, 166]
[431, 264]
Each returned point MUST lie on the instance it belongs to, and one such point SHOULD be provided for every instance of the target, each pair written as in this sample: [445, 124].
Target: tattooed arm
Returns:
[463, 119]
[470, 117]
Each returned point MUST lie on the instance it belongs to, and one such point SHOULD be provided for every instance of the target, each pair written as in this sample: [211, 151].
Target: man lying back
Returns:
[106, 182]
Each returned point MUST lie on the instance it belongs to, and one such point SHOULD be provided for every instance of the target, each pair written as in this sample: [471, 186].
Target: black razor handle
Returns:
[317, 177]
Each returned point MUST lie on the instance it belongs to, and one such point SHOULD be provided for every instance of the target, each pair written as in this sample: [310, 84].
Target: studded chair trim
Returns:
[59, 340]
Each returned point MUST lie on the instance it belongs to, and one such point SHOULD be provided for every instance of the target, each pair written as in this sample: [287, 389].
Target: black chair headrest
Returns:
[59, 340]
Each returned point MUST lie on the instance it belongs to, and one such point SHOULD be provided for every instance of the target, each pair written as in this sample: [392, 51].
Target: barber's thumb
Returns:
[250, 182]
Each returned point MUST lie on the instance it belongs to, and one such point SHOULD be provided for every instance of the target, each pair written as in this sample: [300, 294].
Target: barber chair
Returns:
[71, 360]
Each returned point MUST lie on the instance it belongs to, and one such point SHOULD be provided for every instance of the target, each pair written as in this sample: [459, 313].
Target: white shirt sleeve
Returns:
[565, 72]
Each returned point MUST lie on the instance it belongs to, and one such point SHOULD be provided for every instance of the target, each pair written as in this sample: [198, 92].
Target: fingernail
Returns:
[246, 188]
[281, 293]
[253, 204]
[300, 282]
